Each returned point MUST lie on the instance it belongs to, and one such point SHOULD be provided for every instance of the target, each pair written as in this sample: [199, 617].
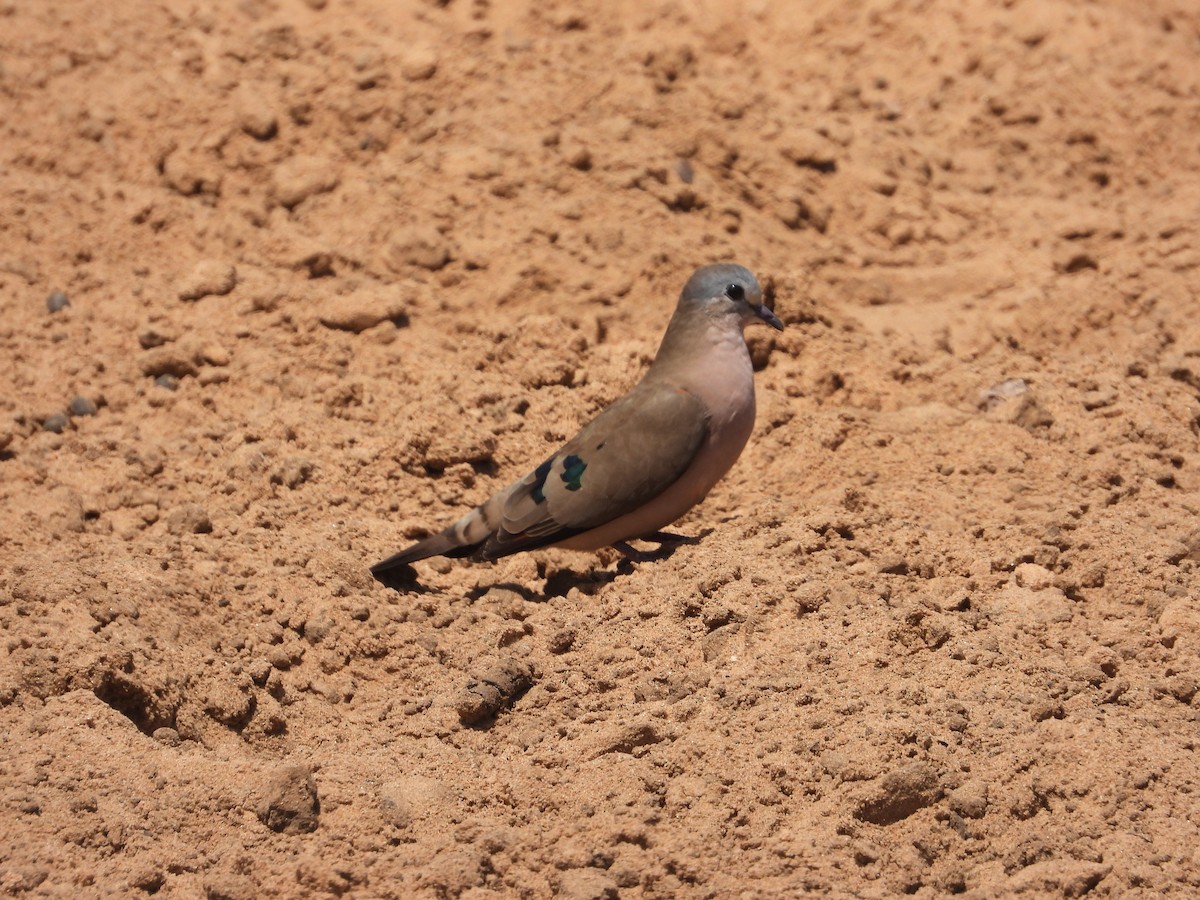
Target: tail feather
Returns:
[441, 544]
[463, 538]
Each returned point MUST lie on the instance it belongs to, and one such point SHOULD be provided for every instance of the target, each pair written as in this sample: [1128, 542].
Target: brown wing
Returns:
[622, 459]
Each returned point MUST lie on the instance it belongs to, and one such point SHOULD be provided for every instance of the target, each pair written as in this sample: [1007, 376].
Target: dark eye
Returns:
[735, 292]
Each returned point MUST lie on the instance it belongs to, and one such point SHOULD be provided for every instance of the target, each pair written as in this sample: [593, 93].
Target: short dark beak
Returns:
[767, 316]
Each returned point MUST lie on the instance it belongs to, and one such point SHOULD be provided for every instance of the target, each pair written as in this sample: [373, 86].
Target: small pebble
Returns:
[56, 423]
[151, 338]
[259, 671]
[82, 406]
[169, 360]
[190, 518]
[170, 382]
[562, 640]
[299, 177]
[418, 62]
[290, 804]
[496, 689]
[359, 311]
[209, 278]
[258, 120]
[57, 301]
[214, 355]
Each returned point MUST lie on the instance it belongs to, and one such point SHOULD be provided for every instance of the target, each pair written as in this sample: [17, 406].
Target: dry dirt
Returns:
[338, 268]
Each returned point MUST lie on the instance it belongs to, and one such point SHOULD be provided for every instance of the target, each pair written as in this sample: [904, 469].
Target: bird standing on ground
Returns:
[645, 460]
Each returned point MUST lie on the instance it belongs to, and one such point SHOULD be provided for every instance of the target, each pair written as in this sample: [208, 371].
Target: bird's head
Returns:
[730, 292]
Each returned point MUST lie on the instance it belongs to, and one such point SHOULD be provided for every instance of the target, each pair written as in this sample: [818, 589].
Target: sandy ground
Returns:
[336, 269]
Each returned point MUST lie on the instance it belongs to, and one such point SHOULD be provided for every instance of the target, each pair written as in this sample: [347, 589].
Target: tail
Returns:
[462, 538]
[441, 544]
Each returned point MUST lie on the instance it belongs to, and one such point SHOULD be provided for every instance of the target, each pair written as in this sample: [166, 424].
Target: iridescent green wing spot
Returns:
[572, 472]
[540, 474]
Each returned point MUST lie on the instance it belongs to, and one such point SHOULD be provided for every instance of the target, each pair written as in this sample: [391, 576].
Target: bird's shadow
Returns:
[557, 585]
[561, 582]
[404, 580]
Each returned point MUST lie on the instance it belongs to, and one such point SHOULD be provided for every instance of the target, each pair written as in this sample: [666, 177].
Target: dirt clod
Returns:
[497, 688]
[290, 804]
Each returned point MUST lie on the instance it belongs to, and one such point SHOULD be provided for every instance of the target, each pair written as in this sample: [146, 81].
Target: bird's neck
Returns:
[708, 357]
[691, 340]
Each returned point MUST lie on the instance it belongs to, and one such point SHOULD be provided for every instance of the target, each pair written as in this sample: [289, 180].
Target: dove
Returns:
[646, 459]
